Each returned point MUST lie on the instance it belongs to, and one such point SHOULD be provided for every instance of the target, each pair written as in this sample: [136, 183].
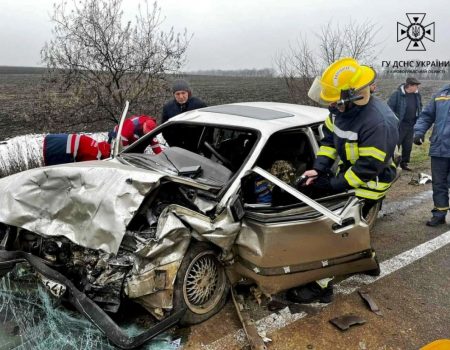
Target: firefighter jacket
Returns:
[438, 112]
[364, 138]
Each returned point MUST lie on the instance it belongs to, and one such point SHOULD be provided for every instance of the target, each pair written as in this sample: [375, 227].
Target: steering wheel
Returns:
[210, 148]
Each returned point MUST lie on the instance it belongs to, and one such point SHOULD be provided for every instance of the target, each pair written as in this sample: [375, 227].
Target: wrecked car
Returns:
[173, 231]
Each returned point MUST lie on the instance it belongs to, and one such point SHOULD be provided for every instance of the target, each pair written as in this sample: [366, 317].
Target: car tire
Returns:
[201, 285]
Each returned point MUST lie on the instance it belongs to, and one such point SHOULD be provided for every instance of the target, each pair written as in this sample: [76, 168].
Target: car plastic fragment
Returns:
[420, 179]
[425, 179]
[346, 321]
[370, 302]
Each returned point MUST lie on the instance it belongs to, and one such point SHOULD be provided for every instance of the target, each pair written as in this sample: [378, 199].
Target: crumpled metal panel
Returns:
[251, 240]
[91, 203]
[204, 204]
[222, 231]
[172, 229]
[155, 296]
[164, 253]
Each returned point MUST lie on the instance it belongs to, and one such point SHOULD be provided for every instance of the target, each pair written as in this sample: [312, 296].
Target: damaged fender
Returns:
[153, 275]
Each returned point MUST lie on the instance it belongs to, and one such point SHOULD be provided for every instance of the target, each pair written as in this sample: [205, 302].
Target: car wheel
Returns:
[371, 216]
[201, 285]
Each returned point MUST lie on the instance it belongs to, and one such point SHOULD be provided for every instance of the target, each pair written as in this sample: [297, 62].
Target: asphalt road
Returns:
[413, 292]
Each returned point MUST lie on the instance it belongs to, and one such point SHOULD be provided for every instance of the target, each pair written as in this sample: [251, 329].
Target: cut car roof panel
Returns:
[248, 112]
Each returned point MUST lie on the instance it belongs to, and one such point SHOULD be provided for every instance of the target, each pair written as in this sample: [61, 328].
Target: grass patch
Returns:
[20, 154]
[419, 154]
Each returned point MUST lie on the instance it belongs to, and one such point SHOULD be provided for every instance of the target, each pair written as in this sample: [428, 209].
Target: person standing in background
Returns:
[182, 101]
[406, 103]
[437, 112]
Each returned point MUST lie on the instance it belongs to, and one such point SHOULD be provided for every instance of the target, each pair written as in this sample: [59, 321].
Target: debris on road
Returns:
[420, 179]
[276, 305]
[257, 294]
[346, 321]
[255, 340]
[370, 302]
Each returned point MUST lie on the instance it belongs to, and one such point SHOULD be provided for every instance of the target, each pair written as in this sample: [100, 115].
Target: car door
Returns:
[284, 246]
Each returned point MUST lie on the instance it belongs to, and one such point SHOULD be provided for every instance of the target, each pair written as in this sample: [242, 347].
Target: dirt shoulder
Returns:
[402, 188]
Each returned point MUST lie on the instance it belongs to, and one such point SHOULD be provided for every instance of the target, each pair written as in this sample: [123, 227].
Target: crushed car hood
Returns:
[91, 203]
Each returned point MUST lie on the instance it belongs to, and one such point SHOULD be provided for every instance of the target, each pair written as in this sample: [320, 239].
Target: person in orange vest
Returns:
[134, 128]
[67, 148]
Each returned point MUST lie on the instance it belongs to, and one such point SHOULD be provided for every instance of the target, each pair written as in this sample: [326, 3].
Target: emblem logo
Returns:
[415, 31]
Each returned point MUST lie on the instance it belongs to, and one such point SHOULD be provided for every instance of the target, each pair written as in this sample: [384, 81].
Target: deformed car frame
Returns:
[174, 231]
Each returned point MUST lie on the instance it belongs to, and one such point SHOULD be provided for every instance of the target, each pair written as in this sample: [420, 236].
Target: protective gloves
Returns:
[339, 184]
[418, 139]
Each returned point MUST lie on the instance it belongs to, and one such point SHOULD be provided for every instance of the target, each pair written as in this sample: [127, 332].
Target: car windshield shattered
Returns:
[169, 233]
[208, 154]
[179, 162]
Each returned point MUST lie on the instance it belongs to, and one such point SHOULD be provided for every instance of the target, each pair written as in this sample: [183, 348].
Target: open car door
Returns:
[280, 247]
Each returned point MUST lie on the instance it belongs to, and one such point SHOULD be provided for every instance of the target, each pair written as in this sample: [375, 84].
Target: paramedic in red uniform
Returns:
[66, 148]
[134, 128]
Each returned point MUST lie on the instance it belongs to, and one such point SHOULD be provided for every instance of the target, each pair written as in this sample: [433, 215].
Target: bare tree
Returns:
[331, 43]
[300, 64]
[97, 61]
[361, 41]
[298, 69]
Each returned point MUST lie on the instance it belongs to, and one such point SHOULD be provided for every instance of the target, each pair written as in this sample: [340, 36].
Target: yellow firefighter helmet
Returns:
[343, 74]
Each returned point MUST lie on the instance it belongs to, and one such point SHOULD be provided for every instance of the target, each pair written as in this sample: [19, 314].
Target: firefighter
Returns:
[363, 132]
[67, 148]
[437, 112]
[134, 128]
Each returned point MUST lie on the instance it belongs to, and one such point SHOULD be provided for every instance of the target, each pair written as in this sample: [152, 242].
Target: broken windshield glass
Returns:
[30, 318]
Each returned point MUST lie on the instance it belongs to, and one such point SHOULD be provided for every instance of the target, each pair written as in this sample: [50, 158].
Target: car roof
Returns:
[265, 116]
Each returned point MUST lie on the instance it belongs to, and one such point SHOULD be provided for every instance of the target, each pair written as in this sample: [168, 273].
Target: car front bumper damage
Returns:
[86, 306]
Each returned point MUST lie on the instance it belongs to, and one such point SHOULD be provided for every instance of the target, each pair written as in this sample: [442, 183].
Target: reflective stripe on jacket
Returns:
[365, 142]
[83, 148]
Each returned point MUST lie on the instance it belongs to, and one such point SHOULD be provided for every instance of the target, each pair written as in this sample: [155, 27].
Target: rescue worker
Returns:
[437, 112]
[134, 128]
[182, 101]
[406, 103]
[67, 148]
[363, 132]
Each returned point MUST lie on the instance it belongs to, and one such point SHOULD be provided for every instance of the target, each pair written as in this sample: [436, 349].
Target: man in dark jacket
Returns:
[363, 132]
[406, 103]
[437, 112]
[183, 101]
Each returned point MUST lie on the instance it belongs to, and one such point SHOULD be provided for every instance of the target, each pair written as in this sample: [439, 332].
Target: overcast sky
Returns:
[235, 34]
